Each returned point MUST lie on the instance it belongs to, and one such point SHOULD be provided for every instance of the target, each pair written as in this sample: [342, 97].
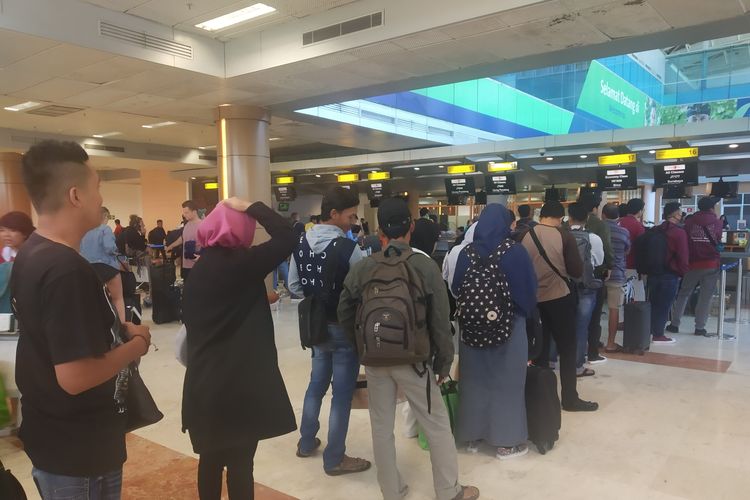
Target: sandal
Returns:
[349, 465]
[587, 372]
[618, 348]
[468, 493]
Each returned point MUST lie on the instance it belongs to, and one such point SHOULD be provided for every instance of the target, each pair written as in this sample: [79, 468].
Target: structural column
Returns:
[13, 195]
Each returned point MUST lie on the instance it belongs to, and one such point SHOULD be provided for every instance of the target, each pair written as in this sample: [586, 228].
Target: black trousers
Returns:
[239, 465]
[595, 326]
[559, 323]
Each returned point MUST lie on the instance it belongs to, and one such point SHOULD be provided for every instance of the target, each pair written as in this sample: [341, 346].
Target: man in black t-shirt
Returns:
[426, 232]
[157, 236]
[72, 351]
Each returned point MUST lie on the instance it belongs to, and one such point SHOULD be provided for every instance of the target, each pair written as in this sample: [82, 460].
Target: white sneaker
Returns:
[513, 452]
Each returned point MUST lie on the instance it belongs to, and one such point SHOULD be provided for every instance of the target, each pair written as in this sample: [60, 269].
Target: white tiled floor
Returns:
[661, 433]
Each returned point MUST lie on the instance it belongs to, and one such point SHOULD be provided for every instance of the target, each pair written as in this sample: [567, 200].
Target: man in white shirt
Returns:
[586, 294]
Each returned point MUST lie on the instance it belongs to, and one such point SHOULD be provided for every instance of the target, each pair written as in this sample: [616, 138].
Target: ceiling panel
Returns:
[15, 46]
[151, 81]
[536, 12]
[222, 96]
[117, 68]
[13, 81]
[100, 96]
[55, 89]
[681, 13]
[120, 5]
[60, 60]
[173, 12]
[137, 104]
[624, 19]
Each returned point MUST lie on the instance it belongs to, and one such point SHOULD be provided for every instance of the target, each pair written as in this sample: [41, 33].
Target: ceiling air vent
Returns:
[54, 110]
[341, 29]
[102, 147]
[143, 39]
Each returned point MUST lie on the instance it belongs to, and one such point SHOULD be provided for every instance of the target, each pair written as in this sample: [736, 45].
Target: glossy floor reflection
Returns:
[672, 425]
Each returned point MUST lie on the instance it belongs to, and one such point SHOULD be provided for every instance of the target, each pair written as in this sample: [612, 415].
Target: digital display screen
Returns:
[617, 179]
[555, 194]
[285, 193]
[500, 183]
[459, 186]
[377, 191]
[722, 189]
[682, 174]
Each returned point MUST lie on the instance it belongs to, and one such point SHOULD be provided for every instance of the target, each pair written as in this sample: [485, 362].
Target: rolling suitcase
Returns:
[165, 297]
[636, 336]
[542, 408]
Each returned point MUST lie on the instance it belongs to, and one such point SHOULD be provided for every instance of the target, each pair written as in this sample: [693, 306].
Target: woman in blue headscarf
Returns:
[492, 405]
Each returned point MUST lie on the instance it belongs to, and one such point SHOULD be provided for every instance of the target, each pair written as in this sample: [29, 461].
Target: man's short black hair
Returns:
[670, 209]
[117, 221]
[590, 201]
[578, 212]
[339, 199]
[159, 220]
[622, 209]
[707, 203]
[190, 204]
[611, 211]
[524, 211]
[553, 209]
[423, 211]
[50, 169]
[635, 205]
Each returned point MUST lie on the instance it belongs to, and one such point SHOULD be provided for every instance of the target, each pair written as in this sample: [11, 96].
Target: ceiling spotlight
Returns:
[275, 139]
[317, 175]
[192, 178]
[550, 158]
[734, 146]
[429, 194]
[206, 147]
[416, 168]
[106, 134]
[583, 157]
[23, 106]
[441, 166]
[652, 151]
[159, 125]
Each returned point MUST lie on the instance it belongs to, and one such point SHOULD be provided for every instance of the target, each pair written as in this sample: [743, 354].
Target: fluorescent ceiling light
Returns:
[317, 175]
[583, 157]
[433, 164]
[734, 146]
[106, 134]
[206, 147]
[23, 106]
[275, 138]
[651, 151]
[159, 125]
[550, 158]
[416, 168]
[236, 17]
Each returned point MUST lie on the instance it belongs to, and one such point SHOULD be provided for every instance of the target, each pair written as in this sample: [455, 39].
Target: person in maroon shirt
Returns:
[632, 222]
[662, 288]
[704, 233]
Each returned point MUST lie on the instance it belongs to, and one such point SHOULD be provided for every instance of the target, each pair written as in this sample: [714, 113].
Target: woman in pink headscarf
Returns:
[234, 395]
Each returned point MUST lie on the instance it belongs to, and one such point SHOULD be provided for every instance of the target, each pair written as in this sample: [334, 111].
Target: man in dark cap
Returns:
[704, 234]
[396, 226]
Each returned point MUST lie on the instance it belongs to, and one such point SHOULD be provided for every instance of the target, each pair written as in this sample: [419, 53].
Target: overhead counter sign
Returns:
[502, 166]
[676, 154]
[460, 186]
[285, 193]
[500, 183]
[622, 159]
[378, 176]
[462, 169]
[617, 179]
[348, 177]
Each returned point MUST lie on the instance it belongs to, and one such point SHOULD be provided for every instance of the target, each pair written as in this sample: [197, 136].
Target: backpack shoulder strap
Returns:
[708, 235]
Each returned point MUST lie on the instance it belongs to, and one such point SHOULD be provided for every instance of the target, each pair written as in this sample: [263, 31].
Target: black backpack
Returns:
[652, 252]
[10, 488]
[484, 305]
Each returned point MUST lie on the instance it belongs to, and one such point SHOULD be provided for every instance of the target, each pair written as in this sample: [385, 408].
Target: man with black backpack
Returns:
[662, 255]
[394, 307]
[591, 251]
[319, 265]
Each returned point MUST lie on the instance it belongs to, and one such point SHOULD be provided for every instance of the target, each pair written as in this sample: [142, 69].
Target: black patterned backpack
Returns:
[484, 305]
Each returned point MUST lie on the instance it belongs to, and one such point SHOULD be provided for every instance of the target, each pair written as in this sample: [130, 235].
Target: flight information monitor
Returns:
[459, 186]
[500, 183]
[681, 174]
[617, 178]
[285, 193]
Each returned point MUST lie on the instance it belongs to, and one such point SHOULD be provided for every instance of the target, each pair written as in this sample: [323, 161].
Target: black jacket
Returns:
[234, 393]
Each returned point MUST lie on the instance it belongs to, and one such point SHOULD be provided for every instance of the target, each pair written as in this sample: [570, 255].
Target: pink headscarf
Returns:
[225, 227]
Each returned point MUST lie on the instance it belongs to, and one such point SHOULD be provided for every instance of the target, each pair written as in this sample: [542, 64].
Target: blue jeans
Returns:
[55, 487]
[586, 303]
[662, 290]
[282, 272]
[335, 361]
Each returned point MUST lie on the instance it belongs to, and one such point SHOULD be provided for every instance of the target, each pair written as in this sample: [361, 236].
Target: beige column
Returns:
[244, 158]
[13, 195]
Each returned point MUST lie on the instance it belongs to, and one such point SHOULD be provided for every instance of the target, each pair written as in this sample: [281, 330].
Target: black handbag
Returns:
[312, 311]
[142, 409]
[10, 487]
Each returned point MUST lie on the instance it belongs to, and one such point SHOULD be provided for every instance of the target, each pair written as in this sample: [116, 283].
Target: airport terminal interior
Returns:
[450, 107]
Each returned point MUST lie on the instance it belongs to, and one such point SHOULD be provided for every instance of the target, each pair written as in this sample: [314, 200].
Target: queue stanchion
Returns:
[722, 302]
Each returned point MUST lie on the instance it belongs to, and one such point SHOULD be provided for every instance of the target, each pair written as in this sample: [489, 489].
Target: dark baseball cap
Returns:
[707, 202]
[394, 217]
[671, 208]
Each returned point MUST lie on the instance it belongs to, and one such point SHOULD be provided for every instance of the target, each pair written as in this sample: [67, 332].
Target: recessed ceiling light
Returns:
[22, 106]
[416, 168]
[429, 194]
[317, 175]
[159, 125]
[275, 139]
[441, 166]
[584, 156]
[550, 158]
[652, 151]
[236, 17]
[193, 178]
[734, 146]
[106, 134]
[206, 147]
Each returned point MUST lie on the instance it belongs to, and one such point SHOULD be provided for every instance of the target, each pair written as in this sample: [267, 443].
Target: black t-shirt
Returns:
[64, 315]
[426, 234]
[157, 236]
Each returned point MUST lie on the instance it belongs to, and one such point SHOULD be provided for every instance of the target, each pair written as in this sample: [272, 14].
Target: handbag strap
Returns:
[544, 255]
[708, 235]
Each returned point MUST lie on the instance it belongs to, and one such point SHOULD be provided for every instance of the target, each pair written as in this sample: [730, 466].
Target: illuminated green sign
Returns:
[611, 98]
